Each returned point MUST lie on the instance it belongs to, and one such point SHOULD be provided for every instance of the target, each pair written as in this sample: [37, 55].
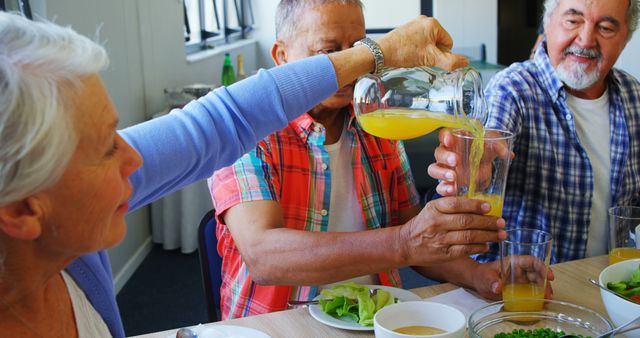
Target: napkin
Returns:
[464, 300]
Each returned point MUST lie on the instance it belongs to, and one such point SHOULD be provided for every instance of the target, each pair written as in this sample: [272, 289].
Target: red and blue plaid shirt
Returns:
[550, 184]
[291, 167]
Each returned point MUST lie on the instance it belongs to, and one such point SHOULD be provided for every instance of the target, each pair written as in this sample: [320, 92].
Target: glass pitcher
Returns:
[403, 103]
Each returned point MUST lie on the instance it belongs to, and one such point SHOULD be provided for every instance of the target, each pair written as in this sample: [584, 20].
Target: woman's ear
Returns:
[22, 219]
[279, 53]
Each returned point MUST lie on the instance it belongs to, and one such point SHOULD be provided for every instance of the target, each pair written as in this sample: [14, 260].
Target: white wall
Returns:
[164, 63]
[265, 33]
[628, 60]
[383, 14]
[470, 22]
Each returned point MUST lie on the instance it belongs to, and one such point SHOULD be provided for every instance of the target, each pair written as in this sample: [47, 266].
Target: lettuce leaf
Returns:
[353, 301]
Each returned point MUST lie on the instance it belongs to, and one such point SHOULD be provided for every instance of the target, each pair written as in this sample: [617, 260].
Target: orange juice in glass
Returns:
[524, 263]
[485, 159]
[523, 297]
[624, 226]
[620, 254]
[495, 200]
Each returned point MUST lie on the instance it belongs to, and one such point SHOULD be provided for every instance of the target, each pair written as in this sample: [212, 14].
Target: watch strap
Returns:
[374, 47]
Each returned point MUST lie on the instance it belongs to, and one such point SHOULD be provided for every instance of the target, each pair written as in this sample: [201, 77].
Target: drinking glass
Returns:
[485, 159]
[524, 263]
[624, 225]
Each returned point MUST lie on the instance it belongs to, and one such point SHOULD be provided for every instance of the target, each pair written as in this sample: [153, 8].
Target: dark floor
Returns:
[166, 292]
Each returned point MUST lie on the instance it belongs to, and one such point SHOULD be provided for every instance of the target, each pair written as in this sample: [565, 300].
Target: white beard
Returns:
[575, 75]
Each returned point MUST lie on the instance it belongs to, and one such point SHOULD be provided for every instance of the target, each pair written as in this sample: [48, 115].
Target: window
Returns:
[21, 6]
[208, 23]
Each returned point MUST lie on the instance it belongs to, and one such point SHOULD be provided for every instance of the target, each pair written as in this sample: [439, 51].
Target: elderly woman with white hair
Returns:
[67, 177]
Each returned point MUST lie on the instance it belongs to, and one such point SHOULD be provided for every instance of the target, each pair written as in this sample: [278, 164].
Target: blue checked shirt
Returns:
[550, 184]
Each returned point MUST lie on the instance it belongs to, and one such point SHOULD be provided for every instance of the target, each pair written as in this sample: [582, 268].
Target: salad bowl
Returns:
[620, 310]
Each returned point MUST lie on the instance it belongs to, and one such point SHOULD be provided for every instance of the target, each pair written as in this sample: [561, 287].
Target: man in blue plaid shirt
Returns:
[577, 126]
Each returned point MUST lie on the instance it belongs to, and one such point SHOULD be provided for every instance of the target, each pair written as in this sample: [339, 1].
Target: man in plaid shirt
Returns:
[577, 121]
[322, 201]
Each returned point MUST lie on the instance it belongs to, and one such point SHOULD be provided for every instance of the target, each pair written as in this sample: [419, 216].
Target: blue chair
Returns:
[210, 264]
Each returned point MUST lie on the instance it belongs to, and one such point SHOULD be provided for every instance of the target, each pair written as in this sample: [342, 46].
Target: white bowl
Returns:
[620, 311]
[419, 313]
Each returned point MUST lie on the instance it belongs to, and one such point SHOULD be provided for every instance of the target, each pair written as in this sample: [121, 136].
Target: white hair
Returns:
[289, 11]
[40, 63]
[632, 14]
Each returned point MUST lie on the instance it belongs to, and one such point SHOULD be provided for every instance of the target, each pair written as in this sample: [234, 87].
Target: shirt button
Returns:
[301, 135]
[324, 166]
[317, 129]
[568, 116]
[323, 212]
[584, 236]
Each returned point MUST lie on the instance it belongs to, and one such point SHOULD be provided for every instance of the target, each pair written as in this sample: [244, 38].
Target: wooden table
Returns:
[570, 285]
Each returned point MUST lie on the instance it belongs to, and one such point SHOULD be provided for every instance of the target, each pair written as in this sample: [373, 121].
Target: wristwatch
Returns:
[374, 47]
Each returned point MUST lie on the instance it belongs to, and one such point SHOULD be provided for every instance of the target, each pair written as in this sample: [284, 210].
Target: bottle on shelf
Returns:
[240, 74]
[228, 75]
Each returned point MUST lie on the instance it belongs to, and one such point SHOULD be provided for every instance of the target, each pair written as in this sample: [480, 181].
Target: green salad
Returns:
[352, 300]
[628, 288]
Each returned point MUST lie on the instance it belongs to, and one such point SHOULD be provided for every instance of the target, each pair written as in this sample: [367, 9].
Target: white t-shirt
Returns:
[592, 125]
[345, 213]
[88, 322]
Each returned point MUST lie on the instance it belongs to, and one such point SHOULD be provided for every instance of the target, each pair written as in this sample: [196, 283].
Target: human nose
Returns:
[587, 37]
[131, 159]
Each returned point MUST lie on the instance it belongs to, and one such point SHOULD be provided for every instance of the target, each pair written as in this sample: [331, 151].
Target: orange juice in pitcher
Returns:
[404, 103]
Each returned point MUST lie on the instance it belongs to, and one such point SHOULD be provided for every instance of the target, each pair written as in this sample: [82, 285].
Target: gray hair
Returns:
[40, 63]
[289, 11]
[632, 14]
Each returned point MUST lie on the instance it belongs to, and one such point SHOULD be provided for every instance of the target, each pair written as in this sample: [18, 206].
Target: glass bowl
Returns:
[555, 315]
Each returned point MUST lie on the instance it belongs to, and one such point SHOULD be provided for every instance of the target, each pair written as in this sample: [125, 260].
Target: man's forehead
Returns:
[600, 5]
[333, 12]
[613, 11]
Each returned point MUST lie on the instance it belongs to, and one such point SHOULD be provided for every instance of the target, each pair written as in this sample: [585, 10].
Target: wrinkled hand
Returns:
[449, 228]
[448, 157]
[420, 42]
[488, 284]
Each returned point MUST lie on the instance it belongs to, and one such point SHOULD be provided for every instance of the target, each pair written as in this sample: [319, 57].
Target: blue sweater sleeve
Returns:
[188, 144]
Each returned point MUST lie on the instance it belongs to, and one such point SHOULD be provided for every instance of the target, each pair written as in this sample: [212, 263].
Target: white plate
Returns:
[226, 331]
[350, 324]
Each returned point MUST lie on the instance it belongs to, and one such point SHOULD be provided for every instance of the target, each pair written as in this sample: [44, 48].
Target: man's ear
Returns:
[22, 219]
[279, 53]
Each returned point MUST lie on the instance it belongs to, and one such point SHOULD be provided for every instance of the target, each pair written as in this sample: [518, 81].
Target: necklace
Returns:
[26, 324]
